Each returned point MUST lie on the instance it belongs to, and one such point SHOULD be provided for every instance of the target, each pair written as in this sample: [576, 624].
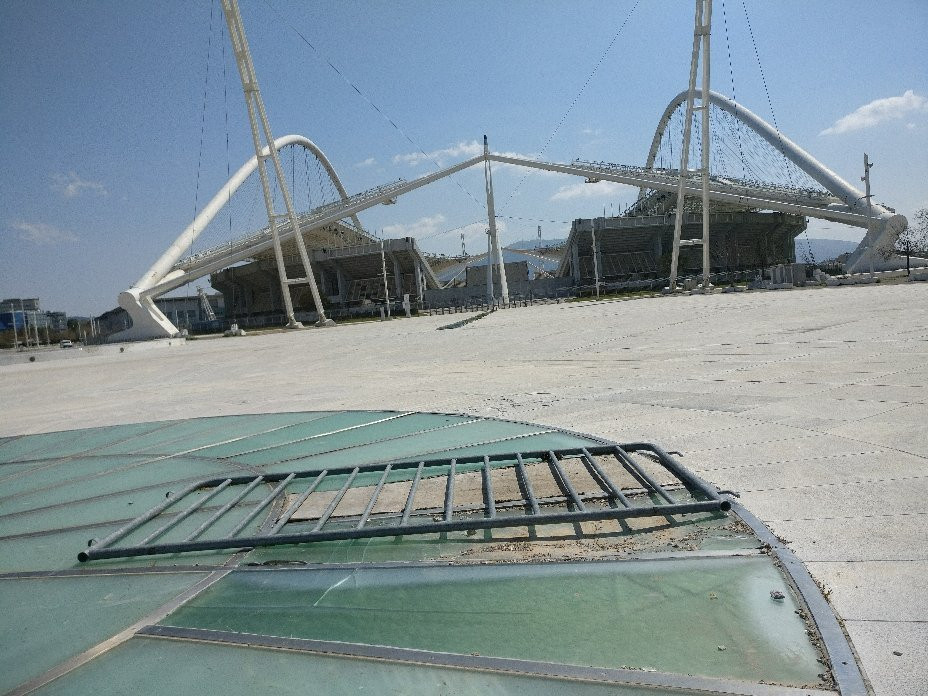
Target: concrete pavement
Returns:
[813, 404]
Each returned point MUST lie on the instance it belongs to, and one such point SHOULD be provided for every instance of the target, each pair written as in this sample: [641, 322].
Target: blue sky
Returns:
[102, 106]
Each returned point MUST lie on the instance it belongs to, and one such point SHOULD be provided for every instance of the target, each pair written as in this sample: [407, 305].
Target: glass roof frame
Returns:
[839, 652]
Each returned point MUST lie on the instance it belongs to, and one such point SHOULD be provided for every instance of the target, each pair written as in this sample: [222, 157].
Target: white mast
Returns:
[495, 250]
[491, 298]
[263, 150]
[700, 36]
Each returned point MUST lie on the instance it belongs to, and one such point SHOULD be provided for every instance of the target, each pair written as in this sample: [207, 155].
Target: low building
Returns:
[640, 246]
[27, 312]
[347, 277]
[187, 311]
[57, 321]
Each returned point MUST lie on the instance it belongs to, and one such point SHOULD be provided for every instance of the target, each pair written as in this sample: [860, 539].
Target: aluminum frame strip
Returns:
[844, 665]
[158, 614]
[625, 677]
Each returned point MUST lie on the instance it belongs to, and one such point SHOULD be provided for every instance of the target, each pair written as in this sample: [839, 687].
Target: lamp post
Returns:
[866, 179]
[383, 266]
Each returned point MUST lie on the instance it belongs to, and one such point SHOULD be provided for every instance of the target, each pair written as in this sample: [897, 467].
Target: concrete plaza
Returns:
[812, 404]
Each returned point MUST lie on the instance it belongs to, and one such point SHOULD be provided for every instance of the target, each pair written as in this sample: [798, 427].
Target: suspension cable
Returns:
[209, 44]
[763, 79]
[372, 104]
[731, 74]
[773, 114]
[576, 98]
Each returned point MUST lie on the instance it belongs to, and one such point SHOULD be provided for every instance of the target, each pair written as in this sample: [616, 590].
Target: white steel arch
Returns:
[853, 198]
[847, 205]
[147, 319]
[884, 225]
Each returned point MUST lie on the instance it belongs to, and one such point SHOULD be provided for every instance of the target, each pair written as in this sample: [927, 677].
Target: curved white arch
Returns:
[147, 319]
[853, 198]
[163, 265]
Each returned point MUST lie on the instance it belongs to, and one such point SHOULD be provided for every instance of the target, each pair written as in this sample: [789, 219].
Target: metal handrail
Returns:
[686, 493]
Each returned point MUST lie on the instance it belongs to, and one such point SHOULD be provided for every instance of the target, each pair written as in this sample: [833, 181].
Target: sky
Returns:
[115, 115]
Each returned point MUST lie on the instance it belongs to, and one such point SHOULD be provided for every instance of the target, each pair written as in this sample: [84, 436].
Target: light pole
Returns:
[15, 335]
[383, 266]
[866, 179]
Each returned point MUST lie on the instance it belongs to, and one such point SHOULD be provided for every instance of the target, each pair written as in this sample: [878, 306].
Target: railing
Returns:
[441, 495]
[304, 220]
[808, 196]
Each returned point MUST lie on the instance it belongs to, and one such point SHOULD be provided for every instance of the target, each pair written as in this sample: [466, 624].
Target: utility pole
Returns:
[701, 32]
[265, 150]
[595, 256]
[866, 179]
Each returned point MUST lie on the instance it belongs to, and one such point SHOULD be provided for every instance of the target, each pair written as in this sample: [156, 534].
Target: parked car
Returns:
[66, 343]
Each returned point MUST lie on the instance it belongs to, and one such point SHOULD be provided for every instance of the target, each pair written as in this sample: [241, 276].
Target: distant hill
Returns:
[822, 249]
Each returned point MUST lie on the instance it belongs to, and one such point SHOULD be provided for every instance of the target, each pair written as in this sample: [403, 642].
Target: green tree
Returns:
[914, 238]
[912, 241]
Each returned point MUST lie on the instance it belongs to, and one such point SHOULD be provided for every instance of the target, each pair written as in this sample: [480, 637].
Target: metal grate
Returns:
[552, 486]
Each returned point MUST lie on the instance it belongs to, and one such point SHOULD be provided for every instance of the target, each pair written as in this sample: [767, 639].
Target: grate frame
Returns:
[702, 498]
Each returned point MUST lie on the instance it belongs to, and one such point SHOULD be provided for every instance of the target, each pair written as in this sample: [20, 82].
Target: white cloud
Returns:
[461, 150]
[422, 227]
[878, 111]
[601, 189]
[40, 233]
[369, 162]
[70, 185]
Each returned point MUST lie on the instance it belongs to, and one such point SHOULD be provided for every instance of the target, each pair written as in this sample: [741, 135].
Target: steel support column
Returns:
[256, 114]
[700, 36]
[495, 250]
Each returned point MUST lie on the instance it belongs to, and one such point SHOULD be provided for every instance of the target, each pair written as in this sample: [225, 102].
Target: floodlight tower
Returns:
[264, 150]
[700, 37]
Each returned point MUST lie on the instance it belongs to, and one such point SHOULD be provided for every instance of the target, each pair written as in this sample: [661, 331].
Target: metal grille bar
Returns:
[571, 485]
